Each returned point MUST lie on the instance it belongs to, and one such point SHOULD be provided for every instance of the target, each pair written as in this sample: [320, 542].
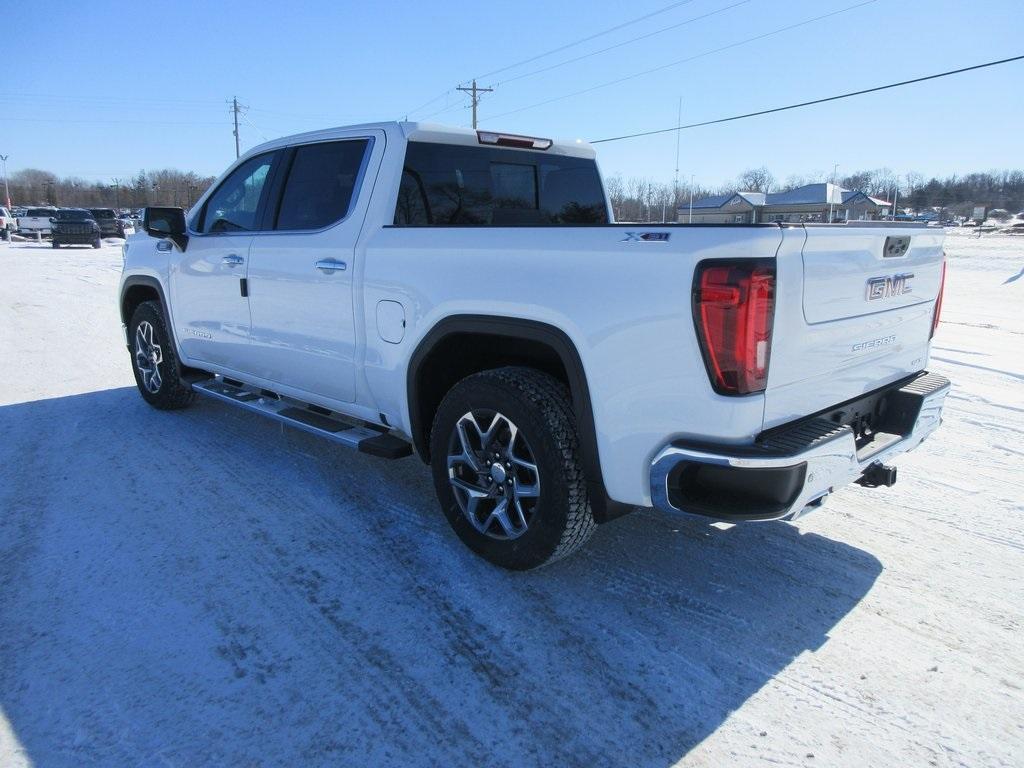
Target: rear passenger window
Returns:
[467, 185]
[321, 184]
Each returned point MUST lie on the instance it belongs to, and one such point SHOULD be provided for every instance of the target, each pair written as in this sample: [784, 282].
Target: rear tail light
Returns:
[938, 300]
[733, 309]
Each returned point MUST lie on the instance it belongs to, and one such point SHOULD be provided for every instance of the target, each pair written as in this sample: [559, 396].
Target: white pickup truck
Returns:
[465, 295]
[36, 221]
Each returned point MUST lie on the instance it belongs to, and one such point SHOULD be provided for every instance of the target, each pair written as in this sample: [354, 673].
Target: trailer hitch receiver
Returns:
[878, 474]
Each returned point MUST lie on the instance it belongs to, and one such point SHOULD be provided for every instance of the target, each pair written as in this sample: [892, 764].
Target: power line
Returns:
[624, 42]
[114, 122]
[259, 131]
[543, 55]
[132, 100]
[426, 104]
[676, 63]
[586, 39]
[814, 101]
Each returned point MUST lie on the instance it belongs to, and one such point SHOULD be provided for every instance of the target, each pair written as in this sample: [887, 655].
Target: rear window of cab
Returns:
[445, 184]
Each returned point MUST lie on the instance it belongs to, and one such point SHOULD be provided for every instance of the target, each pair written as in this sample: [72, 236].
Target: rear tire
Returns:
[154, 360]
[509, 436]
[56, 244]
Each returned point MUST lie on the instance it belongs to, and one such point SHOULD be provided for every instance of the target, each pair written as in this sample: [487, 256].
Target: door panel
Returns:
[211, 316]
[303, 332]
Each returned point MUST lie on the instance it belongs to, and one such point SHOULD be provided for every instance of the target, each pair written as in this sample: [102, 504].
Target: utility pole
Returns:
[117, 192]
[236, 109]
[7, 192]
[473, 91]
[675, 181]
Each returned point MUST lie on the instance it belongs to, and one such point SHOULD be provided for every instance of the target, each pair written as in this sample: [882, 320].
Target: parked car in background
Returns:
[8, 224]
[36, 220]
[128, 224]
[110, 225]
[75, 226]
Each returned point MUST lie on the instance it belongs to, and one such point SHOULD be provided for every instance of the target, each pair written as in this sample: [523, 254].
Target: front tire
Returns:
[97, 243]
[507, 471]
[56, 244]
[154, 360]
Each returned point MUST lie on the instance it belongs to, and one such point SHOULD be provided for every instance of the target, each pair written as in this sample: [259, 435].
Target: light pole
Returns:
[690, 220]
[117, 192]
[7, 192]
[831, 193]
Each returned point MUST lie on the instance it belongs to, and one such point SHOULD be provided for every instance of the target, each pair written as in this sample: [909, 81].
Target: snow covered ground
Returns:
[207, 588]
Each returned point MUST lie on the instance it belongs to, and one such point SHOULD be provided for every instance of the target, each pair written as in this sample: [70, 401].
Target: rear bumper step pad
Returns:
[794, 468]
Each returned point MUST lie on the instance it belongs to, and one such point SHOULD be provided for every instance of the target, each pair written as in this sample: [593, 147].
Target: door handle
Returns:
[232, 260]
[331, 265]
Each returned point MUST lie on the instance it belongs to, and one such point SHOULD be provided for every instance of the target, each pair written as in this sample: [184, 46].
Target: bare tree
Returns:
[756, 180]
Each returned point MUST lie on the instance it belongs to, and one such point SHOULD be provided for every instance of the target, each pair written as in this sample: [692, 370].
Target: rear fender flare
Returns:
[603, 507]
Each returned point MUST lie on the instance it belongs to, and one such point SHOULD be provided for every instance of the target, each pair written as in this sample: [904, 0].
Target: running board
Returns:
[317, 421]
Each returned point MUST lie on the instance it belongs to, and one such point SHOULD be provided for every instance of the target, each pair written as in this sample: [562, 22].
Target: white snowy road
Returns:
[205, 588]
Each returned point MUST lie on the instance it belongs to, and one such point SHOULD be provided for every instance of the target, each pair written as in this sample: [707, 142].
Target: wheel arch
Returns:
[135, 289]
[456, 347]
[139, 288]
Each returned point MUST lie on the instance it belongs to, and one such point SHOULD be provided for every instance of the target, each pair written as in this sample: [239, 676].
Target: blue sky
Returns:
[102, 89]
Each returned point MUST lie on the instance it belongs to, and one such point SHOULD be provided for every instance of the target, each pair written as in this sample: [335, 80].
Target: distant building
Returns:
[811, 202]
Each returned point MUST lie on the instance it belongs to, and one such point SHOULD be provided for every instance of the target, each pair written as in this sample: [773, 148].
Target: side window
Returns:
[571, 193]
[412, 208]
[466, 185]
[235, 203]
[321, 184]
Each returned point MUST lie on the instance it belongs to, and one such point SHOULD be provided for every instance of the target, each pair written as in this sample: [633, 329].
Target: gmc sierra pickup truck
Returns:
[465, 295]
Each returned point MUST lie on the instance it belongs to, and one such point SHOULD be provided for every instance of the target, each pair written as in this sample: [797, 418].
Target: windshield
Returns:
[73, 214]
[102, 213]
[44, 212]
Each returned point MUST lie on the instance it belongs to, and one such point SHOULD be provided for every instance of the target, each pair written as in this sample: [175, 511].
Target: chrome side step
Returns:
[317, 421]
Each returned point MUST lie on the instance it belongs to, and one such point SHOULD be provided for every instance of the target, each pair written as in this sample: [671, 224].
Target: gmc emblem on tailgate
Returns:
[884, 287]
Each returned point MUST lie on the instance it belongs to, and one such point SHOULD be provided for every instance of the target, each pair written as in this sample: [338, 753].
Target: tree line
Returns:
[642, 199]
[633, 199]
[32, 186]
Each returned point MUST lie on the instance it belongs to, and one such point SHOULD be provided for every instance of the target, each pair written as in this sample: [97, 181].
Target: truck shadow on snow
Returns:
[204, 587]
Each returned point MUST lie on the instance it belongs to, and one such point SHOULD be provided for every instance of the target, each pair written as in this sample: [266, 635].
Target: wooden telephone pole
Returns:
[474, 92]
[236, 110]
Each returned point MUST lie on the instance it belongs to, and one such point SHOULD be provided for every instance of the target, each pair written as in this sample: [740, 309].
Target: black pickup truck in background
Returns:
[110, 225]
[75, 226]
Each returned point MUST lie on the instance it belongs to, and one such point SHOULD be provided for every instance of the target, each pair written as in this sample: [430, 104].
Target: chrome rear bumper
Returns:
[793, 470]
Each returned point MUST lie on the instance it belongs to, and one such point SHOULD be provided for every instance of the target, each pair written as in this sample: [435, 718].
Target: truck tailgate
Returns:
[854, 313]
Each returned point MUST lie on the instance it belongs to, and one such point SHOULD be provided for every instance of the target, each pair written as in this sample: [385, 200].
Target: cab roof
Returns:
[435, 133]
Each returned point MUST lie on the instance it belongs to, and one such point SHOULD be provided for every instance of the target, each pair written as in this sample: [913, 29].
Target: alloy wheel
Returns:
[493, 474]
[148, 356]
